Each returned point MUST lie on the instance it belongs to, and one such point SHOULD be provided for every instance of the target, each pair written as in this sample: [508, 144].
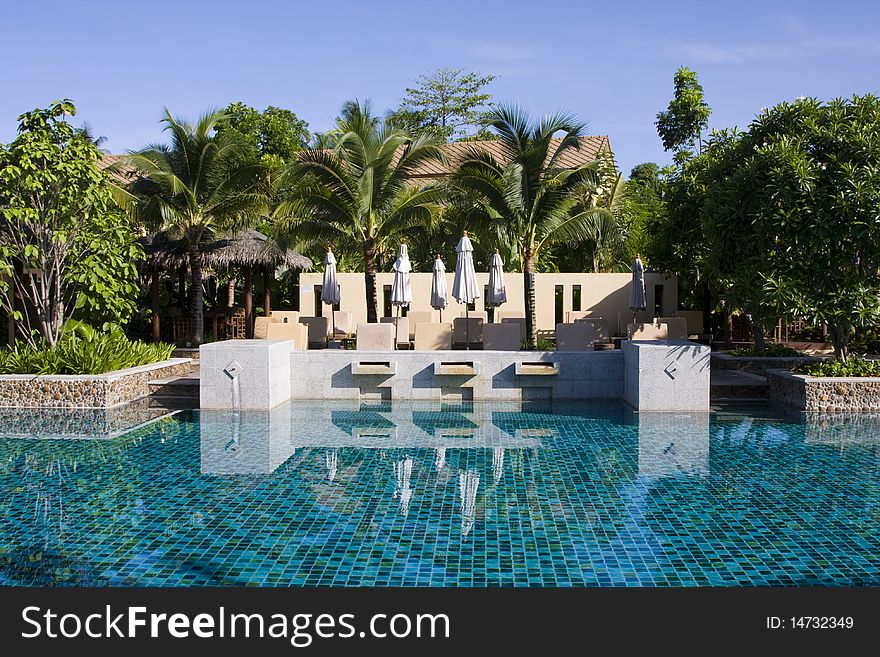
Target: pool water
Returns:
[315, 494]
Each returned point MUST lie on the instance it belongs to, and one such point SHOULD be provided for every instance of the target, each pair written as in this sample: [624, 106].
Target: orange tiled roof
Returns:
[590, 147]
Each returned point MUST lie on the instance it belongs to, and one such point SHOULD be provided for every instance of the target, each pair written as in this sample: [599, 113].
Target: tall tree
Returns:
[681, 126]
[201, 184]
[63, 243]
[274, 133]
[447, 101]
[529, 200]
[358, 196]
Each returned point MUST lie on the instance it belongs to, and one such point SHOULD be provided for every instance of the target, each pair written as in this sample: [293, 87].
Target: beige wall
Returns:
[605, 294]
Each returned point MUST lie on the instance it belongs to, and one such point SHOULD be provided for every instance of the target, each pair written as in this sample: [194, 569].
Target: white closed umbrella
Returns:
[464, 285]
[330, 292]
[637, 299]
[401, 286]
[497, 290]
[439, 291]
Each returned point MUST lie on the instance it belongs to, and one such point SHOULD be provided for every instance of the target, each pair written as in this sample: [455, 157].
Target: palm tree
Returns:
[359, 196]
[200, 185]
[528, 201]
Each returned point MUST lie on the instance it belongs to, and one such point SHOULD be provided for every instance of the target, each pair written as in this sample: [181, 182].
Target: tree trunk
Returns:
[370, 281]
[840, 340]
[728, 325]
[195, 264]
[249, 302]
[154, 304]
[707, 307]
[230, 293]
[267, 287]
[181, 289]
[529, 298]
[757, 329]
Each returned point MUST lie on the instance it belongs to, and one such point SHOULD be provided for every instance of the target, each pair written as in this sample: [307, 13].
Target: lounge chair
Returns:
[418, 317]
[600, 326]
[625, 318]
[477, 314]
[518, 321]
[344, 323]
[578, 336]
[402, 330]
[286, 316]
[676, 327]
[501, 337]
[573, 316]
[648, 331]
[375, 337]
[298, 333]
[261, 327]
[433, 337]
[467, 330]
[317, 331]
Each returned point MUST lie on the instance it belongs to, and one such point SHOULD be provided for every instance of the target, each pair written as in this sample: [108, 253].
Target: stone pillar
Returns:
[666, 375]
[245, 374]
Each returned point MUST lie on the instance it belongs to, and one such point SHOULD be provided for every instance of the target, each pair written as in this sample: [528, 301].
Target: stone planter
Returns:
[757, 364]
[824, 393]
[86, 391]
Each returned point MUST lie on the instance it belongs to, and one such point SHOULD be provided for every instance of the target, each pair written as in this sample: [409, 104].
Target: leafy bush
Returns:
[771, 351]
[852, 367]
[83, 350]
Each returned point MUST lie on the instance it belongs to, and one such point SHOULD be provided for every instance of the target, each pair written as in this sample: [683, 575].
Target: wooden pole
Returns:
[267, 302]
[249, 301]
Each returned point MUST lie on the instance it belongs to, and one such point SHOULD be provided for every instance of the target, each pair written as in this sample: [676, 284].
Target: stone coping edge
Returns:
[786, 374]
[107, 376]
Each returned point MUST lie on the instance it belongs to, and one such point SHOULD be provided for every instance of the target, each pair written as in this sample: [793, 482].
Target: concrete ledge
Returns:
[86, 390]
[824, 393]
[524, 368]
[456, 368]
[377, 368]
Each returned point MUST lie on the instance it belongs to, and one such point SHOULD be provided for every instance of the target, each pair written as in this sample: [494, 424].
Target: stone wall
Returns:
[86, 391]
[827, 394]
[456, 375]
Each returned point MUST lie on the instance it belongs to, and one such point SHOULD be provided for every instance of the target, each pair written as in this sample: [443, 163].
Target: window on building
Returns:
[576, 297]
[559, 311]
[658, 301]
[386, 301]
[319, 306]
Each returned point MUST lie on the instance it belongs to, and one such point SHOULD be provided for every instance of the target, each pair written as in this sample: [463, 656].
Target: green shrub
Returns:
[83, 350]
[852, 367]
[771, 351]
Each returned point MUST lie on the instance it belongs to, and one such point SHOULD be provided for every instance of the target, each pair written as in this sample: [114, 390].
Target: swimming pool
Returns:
[339, 494]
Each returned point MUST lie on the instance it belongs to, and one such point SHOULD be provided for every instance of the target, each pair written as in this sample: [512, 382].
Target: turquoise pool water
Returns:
[446, 495]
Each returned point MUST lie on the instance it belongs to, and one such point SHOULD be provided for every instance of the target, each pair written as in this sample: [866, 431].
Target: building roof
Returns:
[590, 148]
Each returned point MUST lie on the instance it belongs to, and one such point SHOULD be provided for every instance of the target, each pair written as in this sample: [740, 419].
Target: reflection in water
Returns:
[440, 458]
[402, 490]
[332, 458]
[497, 463]
[468, 483]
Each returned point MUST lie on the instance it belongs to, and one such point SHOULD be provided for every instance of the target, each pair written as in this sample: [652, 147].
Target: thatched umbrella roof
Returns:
[247, 248]
[251, 248]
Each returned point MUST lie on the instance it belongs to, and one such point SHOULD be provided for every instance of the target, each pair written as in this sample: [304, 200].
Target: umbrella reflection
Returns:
[332, 460]
[468, 482]
[402, 490]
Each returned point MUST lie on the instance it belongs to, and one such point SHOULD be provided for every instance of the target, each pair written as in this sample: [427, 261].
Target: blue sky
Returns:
[610, 63]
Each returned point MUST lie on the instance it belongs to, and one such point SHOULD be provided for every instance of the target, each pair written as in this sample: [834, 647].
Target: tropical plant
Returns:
[682, 123]
[63, 243]
[528, 201]
[359, 195]
[275, 133]
[82, 350]
[200, 185]
[851, 367]
[447, 101]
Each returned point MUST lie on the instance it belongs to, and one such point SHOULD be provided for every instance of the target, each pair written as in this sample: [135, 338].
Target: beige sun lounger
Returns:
[625, 318]
[344, 322]
[467, 330]
[286, 316]
[261, 327]
[648, 331]
[477, 314]
[297, 332]
[317, 331]
[600, 327]
[501, 337]
[418, 317]
[676, 327]
[433, 337]
[375, 337]
[518, 321]
[402, 331]
[578, 336]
